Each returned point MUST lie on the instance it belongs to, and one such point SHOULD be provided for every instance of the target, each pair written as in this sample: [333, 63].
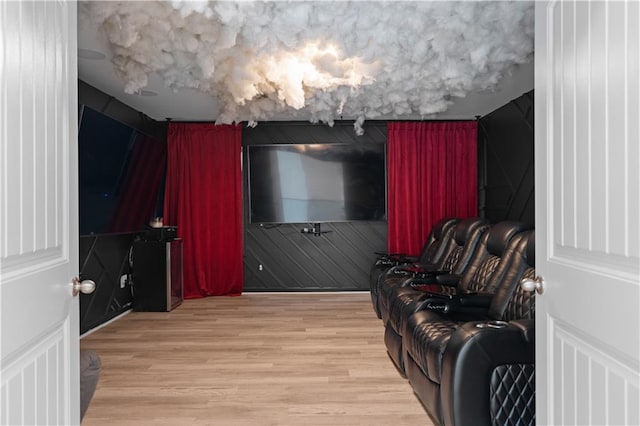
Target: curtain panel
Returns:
[432, 173]
[141, 185]
[203, 198]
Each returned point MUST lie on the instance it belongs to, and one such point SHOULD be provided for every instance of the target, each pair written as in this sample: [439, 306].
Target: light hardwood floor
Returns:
[258, 359]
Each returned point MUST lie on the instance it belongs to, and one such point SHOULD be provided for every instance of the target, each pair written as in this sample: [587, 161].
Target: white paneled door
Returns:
[588, 212]
[38, 213]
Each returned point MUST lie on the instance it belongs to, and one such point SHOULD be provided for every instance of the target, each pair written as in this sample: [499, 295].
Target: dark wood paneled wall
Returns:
[505, 162]
[105, 260]
[280, 257]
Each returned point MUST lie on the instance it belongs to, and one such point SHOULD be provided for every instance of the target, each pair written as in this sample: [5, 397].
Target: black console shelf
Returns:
[157, 275]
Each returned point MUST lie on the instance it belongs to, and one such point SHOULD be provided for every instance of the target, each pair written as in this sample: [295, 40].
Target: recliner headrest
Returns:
[501, 234]
[465, 228]
[442, 226]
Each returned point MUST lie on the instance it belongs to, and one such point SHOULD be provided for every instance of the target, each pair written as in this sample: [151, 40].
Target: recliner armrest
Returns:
[435, 302]
[450, 280]
[414, 269]
[421, 283]
[472, 356]
[527, 328]
[383, 254]
[465, 306]
[385, 262]
[404, 260]
[478, 300]
[394, 258]
[421, 269]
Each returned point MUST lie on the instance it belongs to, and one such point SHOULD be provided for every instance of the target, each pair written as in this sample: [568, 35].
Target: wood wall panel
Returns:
[505, 162]
[595, 225]
[29, 396]
[105, 260]
[586, 364]
[283, 259]
[34, 230]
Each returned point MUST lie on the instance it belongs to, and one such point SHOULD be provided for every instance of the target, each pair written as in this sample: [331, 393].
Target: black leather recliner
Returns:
[474, 370]
[474, 288]
[434, 251]
[466, 236]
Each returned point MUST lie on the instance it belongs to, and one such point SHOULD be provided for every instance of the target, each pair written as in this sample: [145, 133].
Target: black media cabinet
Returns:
[157, 275]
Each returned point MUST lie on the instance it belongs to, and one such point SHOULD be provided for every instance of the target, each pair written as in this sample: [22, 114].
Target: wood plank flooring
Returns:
[258, 359]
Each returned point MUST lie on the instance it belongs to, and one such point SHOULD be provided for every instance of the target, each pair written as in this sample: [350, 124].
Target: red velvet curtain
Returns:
[432, 173]
[137, 200]
[203, 198]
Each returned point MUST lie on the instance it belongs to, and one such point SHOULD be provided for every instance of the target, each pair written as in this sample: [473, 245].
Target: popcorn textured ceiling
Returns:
[316, 60]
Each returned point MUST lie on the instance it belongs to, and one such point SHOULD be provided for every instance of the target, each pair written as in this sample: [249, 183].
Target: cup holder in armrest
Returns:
[492, 324]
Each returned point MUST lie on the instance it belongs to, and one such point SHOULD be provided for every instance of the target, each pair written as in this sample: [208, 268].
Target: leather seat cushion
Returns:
[402, 304]
[429, 339]
[386, 288]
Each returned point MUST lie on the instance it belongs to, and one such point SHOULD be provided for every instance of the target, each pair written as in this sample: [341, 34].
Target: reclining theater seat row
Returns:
[471, 369]
[434, 252]
[468, 237]
[480, 279]
[460, 248]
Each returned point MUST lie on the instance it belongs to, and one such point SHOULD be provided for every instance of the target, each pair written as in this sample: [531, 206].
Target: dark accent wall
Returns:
[280, 257]
[505, 162]
[111, 107]
[105, 259]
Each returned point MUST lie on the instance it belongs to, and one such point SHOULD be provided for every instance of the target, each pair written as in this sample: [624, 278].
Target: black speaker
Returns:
[164, 233]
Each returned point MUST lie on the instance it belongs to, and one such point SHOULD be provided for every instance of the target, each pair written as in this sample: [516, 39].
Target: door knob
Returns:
[84, 287]
[536, 284]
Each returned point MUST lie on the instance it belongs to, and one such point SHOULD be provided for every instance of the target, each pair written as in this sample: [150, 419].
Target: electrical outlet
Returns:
[123, 280]
[260, 268]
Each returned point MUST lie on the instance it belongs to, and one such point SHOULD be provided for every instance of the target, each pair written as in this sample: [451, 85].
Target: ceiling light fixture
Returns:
[291, 73]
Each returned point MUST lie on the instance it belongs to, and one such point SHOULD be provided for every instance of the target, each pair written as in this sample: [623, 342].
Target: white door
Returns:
[38, 213]
[588, 212]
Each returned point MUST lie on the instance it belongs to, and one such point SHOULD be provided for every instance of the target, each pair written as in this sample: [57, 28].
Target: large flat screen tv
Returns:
[315, 183]
[120, 175]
